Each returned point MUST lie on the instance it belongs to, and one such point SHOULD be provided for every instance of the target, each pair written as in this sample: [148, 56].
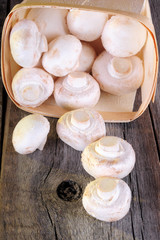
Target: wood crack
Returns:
[142, 235]
[154, 132]
[138, 193]
[45, 206]
[133, 232]
[49, 217]
[132, 225]
[55, 230]
[51, 167]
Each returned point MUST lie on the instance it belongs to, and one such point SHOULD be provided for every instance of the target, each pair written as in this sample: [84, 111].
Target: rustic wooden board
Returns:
[30, 207]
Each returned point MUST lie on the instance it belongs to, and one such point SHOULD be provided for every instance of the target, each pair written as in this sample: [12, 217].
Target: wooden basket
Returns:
[112, 108]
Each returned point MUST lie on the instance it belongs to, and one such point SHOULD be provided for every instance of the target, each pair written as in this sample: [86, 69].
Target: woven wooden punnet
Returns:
[112, 108]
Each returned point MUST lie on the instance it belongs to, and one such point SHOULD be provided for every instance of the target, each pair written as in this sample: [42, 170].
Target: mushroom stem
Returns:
[119, 67]
[77, 80]
[107, 189]
[80, 119]
[108, 147]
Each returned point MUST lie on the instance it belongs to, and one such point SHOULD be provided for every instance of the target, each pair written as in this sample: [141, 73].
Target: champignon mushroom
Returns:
[76, 90]
[50, 21]
[87, 58]
[109, 156]
[107, 199]
[116, 75]
[86, 25]
[27, 43]
[32, 86]
[30, 134]
[63, 55]
[80, 127]
[123, 36]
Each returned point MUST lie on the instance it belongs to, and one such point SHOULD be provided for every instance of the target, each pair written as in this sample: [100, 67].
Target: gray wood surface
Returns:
[31, 207]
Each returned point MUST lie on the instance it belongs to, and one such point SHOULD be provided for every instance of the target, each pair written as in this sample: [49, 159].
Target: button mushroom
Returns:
[109, 156]
[63, 55]
[123, 36]
[116, 75]
[86, 25]
[80, 127]
[50, 21]
[27, 43]
[32, 86]
[30, 134]
[87, 58]
[107, 199]
[77, 90]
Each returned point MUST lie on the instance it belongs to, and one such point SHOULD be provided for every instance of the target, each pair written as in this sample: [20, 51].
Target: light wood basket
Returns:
[112, 108]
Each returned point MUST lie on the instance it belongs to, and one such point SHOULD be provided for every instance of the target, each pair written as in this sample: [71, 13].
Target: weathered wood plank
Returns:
[31, 206]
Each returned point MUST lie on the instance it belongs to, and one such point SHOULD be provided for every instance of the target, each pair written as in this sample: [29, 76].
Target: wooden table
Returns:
[31, 207]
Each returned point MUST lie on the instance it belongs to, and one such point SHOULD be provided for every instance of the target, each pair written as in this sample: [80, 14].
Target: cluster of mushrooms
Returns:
[106, 158]
[56, 58]
[57, 50]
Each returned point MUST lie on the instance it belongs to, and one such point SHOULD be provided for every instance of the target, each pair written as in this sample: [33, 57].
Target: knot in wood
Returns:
[69, 191]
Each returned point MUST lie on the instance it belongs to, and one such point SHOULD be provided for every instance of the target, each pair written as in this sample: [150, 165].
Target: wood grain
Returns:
[30, 208]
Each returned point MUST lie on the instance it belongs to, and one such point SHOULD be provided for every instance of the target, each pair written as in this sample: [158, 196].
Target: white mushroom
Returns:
[30, 134]
[80, 127]
[87, 58]
[109, 156]
[76, 90]
[63, 55]
[32, 86]
[50, 22]
[123, 36]
[116, 75]
[27, 43]
[86, 25]
[107, 199]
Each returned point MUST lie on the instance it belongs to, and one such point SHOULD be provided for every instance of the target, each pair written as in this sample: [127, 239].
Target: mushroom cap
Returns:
[50, 22]
[107, 199]
[80, 127]
[86, 25]
[116, 75]
[63, 55]
[30, 134]
[76, 90]
[123, 36]
[32, 86]
[87, 58]
[109, 156]
[27, 43]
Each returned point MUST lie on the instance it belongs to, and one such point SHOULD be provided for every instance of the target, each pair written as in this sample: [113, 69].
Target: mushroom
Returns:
[27, 43]
[30, 134]
[107, 199]
[63, 55]
[76, 90]
[32, 86]
[87, 58]
[86, 25]
[116, 75]
[80, 127]
[123, 36]
[50, 22]
[109, 156]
